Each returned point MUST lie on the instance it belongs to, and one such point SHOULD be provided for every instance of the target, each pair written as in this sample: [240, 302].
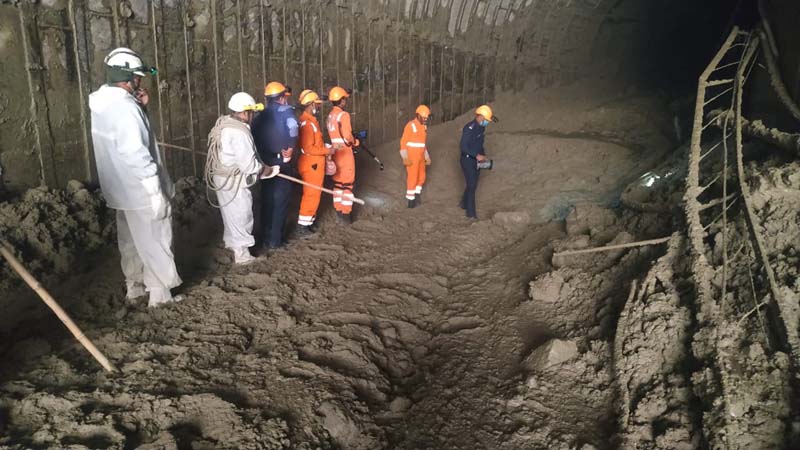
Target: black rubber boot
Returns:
[304, 231]
[343, 219]
[411, 204]
[418, 199]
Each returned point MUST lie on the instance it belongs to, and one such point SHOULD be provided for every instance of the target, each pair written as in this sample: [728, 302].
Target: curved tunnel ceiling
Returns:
[566, 39]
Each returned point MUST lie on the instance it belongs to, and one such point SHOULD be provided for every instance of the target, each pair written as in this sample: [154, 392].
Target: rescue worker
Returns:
[275, 132]
[472, 152]
[232, 167]
[311, 163]
[415, 154]
[133, 179]
[340, 131]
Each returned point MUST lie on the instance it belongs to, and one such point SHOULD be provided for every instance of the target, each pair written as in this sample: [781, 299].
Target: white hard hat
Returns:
[128, 60]
[242, 101]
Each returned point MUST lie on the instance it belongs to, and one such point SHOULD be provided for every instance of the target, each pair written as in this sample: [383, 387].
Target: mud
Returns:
[51, 229]
[412, 328]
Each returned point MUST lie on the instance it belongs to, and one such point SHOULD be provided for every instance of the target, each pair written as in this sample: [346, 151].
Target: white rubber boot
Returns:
[159, 297]
[242, 256]
[134, 290]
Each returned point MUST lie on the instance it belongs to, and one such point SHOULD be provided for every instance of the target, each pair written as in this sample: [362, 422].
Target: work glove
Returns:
[404, 155]
[427, 158]
[357, 143]
[158, 202]
[330, 167]
[269, 171]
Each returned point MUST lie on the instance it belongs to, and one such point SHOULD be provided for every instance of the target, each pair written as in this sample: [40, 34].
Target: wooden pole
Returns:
[8, 253]
[296, 180]
[314, 186]
[613, 247]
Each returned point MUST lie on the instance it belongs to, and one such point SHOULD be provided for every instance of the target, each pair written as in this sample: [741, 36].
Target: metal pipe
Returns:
[285, 51]
[263, 44]
[216, 52]
[87, 149]
[303, 44]
[239, 43]
[188, 84]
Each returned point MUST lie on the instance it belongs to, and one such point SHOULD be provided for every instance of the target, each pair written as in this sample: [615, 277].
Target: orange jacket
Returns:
[414, 136]
[339, 119]
[311, 142]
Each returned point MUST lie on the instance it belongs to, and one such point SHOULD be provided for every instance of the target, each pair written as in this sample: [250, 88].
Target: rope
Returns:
[214, 167]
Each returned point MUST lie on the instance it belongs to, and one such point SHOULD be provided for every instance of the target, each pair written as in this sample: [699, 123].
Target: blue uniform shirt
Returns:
[472, 139]
[274, 130]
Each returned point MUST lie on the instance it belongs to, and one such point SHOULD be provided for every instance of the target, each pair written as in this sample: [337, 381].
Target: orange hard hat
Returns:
[274, 89]
[485, 111]
[423, 111]
[308, 96]
[337, 93]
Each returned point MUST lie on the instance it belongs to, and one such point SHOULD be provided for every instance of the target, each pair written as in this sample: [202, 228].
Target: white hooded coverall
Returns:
[237, 151]
[126, 154]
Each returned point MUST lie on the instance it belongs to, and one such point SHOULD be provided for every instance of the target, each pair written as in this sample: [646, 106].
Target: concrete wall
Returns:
[452, 54]
[395, 54]
[784, 16]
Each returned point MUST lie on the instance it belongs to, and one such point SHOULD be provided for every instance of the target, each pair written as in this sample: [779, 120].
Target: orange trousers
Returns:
[416, 172]
[344, 179]
[312, 170]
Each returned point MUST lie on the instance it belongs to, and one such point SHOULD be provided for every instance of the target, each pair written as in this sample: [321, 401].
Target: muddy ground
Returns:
[412, 329]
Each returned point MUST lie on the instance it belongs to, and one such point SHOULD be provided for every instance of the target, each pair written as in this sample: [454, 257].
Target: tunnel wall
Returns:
[783, 16]
[395, 54]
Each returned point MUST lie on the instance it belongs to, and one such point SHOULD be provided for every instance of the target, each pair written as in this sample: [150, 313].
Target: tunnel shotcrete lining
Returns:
[453, 54]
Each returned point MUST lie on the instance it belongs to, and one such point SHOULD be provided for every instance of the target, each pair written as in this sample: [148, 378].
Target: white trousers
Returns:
[145, 245]
[237, 216]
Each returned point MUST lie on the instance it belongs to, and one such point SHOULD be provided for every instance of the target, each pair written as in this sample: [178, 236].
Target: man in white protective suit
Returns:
[133, 179]
[232, 167]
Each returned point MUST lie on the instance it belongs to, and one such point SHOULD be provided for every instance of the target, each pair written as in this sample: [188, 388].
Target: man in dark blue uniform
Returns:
[472, 152]
[275, 134]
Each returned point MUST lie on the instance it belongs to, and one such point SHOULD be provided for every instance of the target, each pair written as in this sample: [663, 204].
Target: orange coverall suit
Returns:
[341, 133]
[412, 147]
[311, 166]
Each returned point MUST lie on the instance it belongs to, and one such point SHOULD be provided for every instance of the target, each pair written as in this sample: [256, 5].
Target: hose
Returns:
[214, 167]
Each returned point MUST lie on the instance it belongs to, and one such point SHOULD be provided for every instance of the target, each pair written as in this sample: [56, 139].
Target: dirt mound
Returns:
[54, 231]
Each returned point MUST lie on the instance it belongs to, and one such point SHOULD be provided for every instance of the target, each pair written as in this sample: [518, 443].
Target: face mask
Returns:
[484, 123]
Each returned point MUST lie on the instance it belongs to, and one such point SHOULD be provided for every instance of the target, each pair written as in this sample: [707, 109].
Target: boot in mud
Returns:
[304, 231]
[343, 219]
[412, 204]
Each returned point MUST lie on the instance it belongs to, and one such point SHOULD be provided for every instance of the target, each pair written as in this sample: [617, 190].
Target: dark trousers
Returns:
[275, 194]
[469, 167]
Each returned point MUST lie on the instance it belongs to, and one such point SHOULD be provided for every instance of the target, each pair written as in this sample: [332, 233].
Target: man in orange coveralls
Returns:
[340, 131]
[311, 164]
[415, 154]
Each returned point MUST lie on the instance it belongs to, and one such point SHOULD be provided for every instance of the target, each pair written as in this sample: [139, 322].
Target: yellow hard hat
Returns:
[485, 111]
[274, 89]
[337, 93]
[423, 111]
[308, 96]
